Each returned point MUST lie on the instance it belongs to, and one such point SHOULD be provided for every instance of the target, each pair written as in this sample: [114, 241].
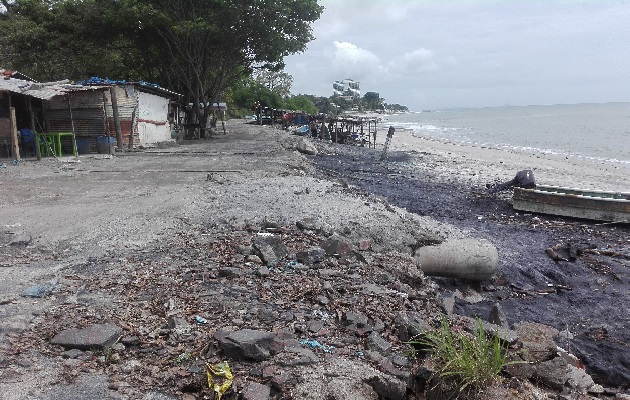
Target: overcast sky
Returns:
[431, 54]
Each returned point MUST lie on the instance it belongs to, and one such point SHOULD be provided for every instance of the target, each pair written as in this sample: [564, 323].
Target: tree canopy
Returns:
[195, 47]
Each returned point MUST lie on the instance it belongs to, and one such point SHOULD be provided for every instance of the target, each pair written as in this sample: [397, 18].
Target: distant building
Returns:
[347, 88]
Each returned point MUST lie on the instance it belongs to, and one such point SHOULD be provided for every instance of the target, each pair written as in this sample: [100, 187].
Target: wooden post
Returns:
[106, 121]
[15, 144]
[74, 136]
[35, 137]
[119, 141]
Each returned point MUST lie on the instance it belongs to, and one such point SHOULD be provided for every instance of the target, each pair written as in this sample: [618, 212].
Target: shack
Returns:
[135, 113]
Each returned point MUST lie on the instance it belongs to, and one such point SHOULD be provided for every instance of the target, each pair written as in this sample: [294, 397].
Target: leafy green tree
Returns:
[195, 47]
[301, 103]
[210, 44]
[277, 81]
[52, 40]
[245, 95]
[372, 101]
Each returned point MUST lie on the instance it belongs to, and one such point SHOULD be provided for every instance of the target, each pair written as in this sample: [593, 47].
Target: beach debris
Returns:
[21, 240]
[523, 179]
[470, 259]
[219, 378]
[305, 146]
[551, 252]
[314, 344]
[97, 336]
[40, 290]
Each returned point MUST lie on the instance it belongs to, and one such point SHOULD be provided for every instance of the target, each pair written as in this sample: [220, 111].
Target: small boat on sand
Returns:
[577, 203]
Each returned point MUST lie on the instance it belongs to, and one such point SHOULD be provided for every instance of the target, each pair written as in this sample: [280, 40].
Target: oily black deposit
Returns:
[583, 292]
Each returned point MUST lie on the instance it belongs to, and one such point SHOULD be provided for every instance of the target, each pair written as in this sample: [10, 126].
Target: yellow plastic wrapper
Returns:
[219, 378]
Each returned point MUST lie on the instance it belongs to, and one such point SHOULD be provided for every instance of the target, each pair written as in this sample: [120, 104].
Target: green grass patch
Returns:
[465, 362]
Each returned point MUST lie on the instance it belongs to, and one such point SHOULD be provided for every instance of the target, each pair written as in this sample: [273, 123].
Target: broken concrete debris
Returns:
[98, 336]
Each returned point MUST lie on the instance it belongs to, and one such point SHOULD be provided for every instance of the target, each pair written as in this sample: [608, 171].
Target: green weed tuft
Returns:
[468, 362]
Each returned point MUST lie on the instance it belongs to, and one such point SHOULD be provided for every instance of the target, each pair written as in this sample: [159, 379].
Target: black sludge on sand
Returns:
[585, 299]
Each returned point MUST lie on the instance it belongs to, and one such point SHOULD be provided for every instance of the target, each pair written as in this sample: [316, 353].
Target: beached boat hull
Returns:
[576, 203]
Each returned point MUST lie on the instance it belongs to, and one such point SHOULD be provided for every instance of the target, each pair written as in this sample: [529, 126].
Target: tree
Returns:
[301, 103]
[52, 40]
[279, 82]
[249, 92]
[372, 101]
[195, 47]
[210, 44]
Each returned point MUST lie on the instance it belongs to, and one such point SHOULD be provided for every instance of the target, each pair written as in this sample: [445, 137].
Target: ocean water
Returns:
[596, 131]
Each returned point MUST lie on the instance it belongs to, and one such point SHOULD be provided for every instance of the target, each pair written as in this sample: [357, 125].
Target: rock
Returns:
[93, 337]
[388, 387]
[377, 343]
[470, 259]
[283, 380]
[505, 335]
[497, 316]
[72, 353]
[336, 245]
[230, 272]
[410, 326]
[40, 290]
[255, 391]
[254, 259]
[537, 339]
[305, 146]
[578, 379]
[365, 245]
[355, 318]
[296, 356]
[552, 373]
[309, 224]
[248, 344]
[245, 250]
[22, 239]
[270, 249]
[311, 256]
[178, 326]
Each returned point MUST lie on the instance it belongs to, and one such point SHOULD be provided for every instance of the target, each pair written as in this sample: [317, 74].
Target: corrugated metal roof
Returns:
[43, 91]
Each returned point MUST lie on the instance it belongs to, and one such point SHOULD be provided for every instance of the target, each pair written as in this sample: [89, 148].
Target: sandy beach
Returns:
[480, 165]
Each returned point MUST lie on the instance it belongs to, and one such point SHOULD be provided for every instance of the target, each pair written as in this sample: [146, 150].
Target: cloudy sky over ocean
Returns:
[430, 54]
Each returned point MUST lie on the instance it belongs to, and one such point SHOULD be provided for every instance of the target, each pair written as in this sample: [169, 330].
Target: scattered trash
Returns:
[3, 165]
[201, 320]
[219, 378]
[312, 344]
[264, 234]
[293, 263]
[40, 290]
[360, 353]
[184, 358]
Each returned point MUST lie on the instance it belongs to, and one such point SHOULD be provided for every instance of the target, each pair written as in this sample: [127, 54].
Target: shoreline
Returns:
[503, 163]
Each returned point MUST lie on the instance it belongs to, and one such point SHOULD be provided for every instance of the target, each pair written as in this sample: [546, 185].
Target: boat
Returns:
[577, 203]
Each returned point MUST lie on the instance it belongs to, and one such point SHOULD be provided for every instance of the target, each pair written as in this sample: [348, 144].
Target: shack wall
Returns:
[92, 114]
[153, 124]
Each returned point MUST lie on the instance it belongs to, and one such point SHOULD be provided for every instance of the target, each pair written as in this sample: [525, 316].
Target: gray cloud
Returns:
[433, 54]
